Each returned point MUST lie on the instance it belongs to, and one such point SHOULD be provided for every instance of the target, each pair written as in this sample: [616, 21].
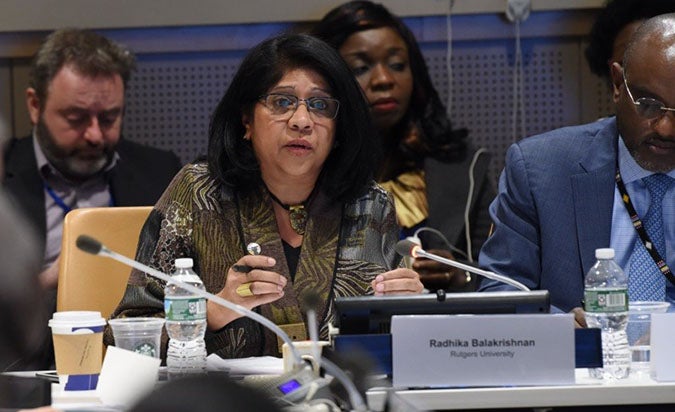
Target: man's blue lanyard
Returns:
[59, 200]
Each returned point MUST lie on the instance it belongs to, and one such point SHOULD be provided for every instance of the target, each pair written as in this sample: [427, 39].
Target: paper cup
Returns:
[140, 335]
[78, 348]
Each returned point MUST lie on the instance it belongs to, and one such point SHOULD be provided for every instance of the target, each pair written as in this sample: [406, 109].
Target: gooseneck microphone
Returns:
[409, 248]
[310, 302]
[299, 379]
[90, 245]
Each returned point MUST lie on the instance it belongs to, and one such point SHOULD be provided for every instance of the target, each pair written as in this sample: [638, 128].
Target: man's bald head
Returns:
[646, 78]
[654, 35]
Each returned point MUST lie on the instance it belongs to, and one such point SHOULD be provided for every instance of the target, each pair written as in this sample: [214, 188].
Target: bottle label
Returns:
[615, 300]
[185, 309]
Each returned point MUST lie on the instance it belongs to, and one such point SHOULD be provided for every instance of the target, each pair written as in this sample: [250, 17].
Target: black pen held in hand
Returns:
[242, 268]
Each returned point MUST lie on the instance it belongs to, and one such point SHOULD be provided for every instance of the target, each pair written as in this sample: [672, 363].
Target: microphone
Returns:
[310, 301]
[90, 245]
[409, 248]
[293, 386]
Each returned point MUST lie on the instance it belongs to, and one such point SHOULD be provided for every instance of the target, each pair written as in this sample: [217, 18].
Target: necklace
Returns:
[297, 213]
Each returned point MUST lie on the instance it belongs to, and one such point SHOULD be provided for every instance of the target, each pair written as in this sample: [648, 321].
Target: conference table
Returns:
[638, 389]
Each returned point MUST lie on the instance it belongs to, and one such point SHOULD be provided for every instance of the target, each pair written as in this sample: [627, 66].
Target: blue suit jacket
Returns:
[553, 209]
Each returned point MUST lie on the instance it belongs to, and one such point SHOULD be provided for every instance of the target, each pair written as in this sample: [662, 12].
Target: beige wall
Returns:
[39, 15]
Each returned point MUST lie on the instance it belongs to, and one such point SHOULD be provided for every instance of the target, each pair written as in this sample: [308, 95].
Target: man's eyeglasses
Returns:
[287, 104]
[647, 107]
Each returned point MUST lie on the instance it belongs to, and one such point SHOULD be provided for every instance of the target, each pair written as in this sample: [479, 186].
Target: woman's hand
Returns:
[249, 283]
[397, 282]
[435, 275]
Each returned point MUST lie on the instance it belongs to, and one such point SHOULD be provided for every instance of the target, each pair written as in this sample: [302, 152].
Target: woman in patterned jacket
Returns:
[290, 167]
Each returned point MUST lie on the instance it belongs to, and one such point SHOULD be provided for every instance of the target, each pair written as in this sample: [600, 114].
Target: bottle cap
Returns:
[604, 253]
[183, 263]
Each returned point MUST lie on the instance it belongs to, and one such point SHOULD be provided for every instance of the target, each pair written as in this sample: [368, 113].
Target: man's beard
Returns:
[68, 162]
[650, 164]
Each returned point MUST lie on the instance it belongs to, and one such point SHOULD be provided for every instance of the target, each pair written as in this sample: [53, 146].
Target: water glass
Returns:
[639, 333]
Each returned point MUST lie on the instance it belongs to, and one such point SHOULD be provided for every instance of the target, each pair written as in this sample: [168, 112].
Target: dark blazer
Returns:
[553, 209]
[139, 178]
[447, 193]
[447, 186]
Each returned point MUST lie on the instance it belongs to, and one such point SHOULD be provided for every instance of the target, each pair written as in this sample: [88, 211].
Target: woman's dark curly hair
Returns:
[439, 139]
[616, 15]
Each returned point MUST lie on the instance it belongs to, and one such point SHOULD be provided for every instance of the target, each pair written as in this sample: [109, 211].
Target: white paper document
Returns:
[260, 365]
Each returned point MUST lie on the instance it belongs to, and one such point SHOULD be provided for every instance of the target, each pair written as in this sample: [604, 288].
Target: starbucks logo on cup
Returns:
[146, 349]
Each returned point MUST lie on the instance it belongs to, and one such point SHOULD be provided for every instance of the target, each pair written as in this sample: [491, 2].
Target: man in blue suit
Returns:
[558, 197]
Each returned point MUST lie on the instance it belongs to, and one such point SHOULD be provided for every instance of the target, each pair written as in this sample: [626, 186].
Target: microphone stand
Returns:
[217, 299]
[90, 245]
[355, 398]
[419, 252]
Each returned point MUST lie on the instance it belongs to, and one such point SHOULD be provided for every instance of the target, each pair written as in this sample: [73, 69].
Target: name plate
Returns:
[662, 357]
[482, 350]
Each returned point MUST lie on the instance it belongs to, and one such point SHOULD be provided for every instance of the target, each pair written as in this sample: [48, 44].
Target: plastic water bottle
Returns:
[606, 306]
[185, 323]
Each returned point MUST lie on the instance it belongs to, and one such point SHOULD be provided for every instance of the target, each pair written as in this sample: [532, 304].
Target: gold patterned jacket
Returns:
[345, 246]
